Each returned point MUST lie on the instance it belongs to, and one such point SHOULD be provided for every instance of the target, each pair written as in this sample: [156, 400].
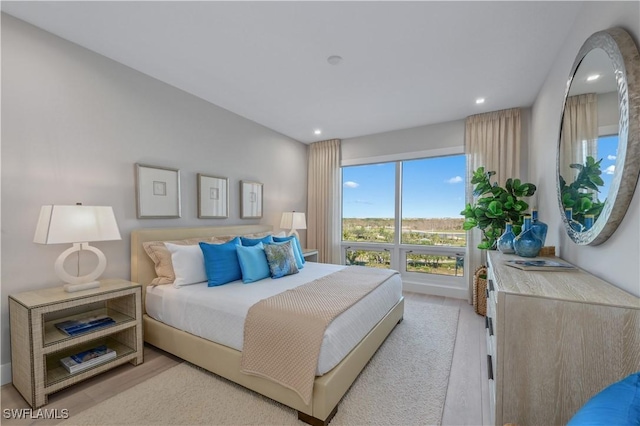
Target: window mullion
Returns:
[398, 217]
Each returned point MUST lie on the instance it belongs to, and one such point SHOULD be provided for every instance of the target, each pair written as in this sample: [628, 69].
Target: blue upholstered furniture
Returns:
[617, 404]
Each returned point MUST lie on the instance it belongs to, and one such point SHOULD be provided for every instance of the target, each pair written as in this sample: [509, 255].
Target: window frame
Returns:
[398, 251]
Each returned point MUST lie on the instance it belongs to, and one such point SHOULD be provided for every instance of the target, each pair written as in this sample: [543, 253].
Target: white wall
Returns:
[405, 141]
[74, 123]
[616, 260]
[430, 140]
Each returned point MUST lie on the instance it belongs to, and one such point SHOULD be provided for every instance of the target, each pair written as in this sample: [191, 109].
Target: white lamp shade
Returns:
[293, 220]
[76, 224]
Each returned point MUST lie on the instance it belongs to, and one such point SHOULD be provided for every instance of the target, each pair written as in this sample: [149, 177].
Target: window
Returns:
[368, 203]
[405, 215]
[373, 258]
[607, 151]
[432, 197]
[434, 264]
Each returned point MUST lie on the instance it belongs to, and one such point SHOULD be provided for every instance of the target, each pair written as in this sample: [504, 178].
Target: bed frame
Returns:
[328, 389]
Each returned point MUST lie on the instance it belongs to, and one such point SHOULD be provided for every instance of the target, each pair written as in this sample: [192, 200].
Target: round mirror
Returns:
[599, 150]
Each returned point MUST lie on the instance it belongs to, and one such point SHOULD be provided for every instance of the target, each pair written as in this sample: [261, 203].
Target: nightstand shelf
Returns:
[52, 335]
[56, 373]
[310, 254]
[37, 346]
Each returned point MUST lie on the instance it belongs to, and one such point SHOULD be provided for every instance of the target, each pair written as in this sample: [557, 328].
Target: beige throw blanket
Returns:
[283, 333]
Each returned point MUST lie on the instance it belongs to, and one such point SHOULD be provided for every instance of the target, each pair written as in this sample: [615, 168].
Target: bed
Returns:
[225, 359]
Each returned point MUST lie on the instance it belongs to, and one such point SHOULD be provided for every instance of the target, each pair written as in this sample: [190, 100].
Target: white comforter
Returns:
[218, 313]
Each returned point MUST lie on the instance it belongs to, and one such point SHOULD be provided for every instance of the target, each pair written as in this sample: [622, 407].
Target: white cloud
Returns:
[610, 170]
[456, 179]
[611, 157]
[351, 184]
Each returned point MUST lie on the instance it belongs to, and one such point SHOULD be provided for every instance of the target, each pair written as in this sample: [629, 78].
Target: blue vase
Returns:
[527, 244]
[539, 228]
[588, 221]
[505, 242]
[574, 224]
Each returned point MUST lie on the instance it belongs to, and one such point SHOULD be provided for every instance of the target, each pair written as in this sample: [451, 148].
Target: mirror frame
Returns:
[622, 51]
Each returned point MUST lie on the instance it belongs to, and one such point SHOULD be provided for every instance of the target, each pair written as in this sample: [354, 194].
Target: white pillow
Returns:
[280, 234]
[188, 264]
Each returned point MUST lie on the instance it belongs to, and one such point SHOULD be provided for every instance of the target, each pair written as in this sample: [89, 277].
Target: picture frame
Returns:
[157, 192]
[213, 197]
[250, 200]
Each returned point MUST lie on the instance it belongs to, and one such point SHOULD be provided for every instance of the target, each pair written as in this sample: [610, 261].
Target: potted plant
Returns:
[581, 194]
[495, 206]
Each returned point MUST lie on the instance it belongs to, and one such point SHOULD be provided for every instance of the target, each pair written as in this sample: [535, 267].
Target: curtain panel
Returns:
[579, 133]
[492, 140]
[323, 205]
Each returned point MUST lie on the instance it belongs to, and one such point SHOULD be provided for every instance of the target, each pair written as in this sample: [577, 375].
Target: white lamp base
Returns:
[294, 232]
[70, 288]
[86, 281]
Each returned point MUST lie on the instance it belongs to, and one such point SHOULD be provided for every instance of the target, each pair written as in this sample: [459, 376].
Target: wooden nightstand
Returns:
[37, 345]
[310, 254]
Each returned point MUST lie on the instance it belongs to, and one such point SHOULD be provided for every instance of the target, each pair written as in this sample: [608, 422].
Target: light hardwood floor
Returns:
[467, 395]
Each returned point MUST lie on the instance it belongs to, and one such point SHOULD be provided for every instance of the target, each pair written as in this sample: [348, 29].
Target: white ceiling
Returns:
[405, 64]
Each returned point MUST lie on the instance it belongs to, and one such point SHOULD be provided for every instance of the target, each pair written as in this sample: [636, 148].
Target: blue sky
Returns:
[432, 188]
[607, 150]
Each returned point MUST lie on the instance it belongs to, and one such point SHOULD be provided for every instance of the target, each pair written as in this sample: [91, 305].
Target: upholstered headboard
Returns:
[142, 267]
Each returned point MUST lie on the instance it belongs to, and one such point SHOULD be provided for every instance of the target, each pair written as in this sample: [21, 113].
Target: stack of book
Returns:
[88, 358]
[83, 325]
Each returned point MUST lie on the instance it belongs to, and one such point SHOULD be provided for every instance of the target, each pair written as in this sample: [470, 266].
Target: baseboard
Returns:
[5, 374]
[436, 290]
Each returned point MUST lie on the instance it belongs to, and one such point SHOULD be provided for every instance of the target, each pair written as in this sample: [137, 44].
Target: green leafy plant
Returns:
[496, 206]
[581, 194]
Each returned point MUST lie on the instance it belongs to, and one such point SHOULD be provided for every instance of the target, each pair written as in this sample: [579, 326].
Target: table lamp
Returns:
[77, 225]
[293, 221]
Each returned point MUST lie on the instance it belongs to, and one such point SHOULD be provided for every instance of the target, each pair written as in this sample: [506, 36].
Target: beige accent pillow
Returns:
[161, 256]
[257, 235]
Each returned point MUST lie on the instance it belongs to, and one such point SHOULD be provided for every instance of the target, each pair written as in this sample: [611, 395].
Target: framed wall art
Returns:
[250, 200]
[213, 197]
[157, 192]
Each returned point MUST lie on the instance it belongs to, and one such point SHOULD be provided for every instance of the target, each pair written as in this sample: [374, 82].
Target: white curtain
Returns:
[323, 205]
[579, 138]
[492, 140]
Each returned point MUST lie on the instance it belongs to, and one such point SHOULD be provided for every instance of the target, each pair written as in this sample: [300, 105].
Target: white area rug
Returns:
[404, 384]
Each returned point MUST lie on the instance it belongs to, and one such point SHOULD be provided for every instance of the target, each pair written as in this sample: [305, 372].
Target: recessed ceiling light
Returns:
[593, 77]
[334, 59]
[317, 132]
[480, 100]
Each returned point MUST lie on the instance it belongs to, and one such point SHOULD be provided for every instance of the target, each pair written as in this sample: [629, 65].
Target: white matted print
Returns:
[213, 197]
[157, 192]
[250, 200]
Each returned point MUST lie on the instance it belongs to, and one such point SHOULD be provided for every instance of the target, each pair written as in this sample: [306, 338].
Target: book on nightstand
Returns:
[83, 325]
[540, 265]
[88, 358]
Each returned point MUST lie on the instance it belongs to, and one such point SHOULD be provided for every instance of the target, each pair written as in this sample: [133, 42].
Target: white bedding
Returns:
[218, 313]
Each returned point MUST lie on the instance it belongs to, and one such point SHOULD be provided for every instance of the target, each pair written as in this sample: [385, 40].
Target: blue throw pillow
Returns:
[253, 263]
[281, 259]
[221, 262]
[297, 250]
[248, 242]
[617, 404]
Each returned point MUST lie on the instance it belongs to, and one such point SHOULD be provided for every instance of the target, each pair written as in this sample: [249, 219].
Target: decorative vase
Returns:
[527, 244]
[588, 221]
[539, 228]
[574, 224]
[505, 242]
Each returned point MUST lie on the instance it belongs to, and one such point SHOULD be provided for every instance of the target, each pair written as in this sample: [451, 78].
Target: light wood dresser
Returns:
[37, 345]
[554, 339]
